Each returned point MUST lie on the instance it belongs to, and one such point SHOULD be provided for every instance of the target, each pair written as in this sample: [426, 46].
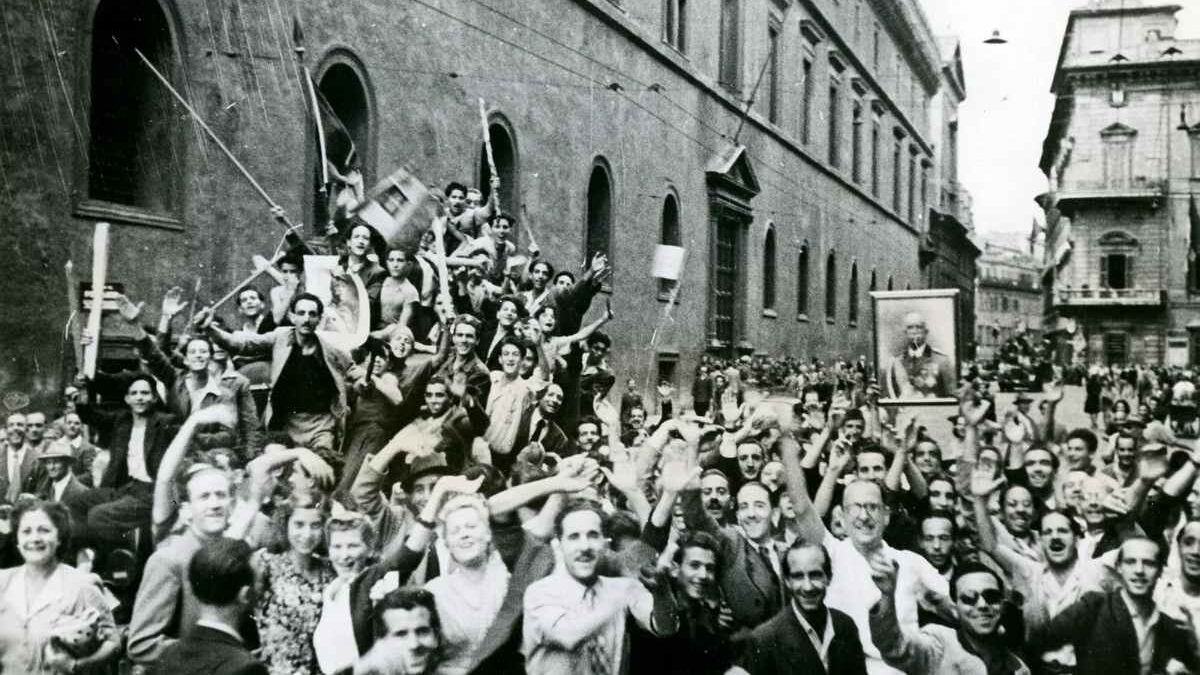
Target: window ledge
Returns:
[830, 320]
[665, 297]
[770, 313]
[98, 210]
[854, 324]
[803, 318]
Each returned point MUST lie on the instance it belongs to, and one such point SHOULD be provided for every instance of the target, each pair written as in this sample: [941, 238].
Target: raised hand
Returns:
[883, 573]
[1152, 462]
[129, 311]
[839, 457]
[984, 481]
[458, 484]
[624, 474]
[221, 413]
[203, 319]
[316, 467]
[173, 302]
[677, 473]
[1053, 392]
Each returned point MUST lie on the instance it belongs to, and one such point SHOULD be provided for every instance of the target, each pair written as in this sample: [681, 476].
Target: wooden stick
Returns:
[91, 352]
[487, 146]
[247, 281]
[73, 311]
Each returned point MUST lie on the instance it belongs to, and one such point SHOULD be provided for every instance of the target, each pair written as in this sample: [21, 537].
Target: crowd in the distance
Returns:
[469, 490]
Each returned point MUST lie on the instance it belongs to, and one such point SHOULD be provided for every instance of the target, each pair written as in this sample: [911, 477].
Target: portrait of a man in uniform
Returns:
[916, 349]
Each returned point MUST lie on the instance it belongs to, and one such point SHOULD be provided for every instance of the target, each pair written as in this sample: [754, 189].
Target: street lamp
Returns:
[995, 39]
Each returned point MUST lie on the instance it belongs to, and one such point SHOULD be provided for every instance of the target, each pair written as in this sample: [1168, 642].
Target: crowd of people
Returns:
[468, 490]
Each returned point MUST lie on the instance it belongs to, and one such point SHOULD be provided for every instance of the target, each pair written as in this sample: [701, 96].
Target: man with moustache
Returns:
[806, 636]
[575, 618]
[714, 491]
[976, 647]
[1122, 631]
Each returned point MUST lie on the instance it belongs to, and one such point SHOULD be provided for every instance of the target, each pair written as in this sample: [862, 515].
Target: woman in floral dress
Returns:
[290, 585]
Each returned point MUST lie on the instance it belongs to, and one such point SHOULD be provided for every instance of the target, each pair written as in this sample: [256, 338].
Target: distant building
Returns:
[1008, 298]
[1122, 155]
[948, 251]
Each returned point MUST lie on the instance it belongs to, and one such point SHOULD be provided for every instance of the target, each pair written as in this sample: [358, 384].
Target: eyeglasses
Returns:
[991, 597]
[869, 509]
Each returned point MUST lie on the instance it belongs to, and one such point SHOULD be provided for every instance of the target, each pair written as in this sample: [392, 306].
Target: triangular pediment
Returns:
[1117, 129]
[733, 171]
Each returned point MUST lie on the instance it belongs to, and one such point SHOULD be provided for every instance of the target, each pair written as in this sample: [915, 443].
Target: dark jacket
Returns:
[207, 651]
[160, 430]
[1101, 629]
[780, 647]
[554, 439]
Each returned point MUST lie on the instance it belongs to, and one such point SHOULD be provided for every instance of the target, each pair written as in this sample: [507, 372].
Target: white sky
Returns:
[1004, 119]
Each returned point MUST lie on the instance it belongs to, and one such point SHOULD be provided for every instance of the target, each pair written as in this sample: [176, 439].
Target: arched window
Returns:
[669, 235]
[768, 297]
[504, 151]
[891, 283]
[852, 307]
[802, 282]
[831, 286]
[599, 211]
[134, 151]
[873, 286]
[342, 88]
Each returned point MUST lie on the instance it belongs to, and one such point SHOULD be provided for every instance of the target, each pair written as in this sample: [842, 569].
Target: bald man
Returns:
[919, 371]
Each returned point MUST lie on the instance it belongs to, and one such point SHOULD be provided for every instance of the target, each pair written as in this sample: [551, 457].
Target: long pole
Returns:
[247, 281]
[91, 352]
[753, 93]
[212, 135]
[487, 146]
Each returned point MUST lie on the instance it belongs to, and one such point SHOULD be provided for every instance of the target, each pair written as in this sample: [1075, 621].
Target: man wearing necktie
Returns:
[919, 371]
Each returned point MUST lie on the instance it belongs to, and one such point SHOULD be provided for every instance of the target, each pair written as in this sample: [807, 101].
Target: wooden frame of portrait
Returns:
[917, 375]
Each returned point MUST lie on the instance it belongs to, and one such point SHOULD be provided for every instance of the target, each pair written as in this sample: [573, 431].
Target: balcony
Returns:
[1079, 192]
[1107, 297]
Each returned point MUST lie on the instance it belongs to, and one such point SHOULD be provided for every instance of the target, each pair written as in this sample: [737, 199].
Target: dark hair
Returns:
[455, 185]
[503, 215]
[622, 525]
[562, 273]
[576, 505]
[1053, 457]
[469, 320]
[407, 598]
[198, 337]
[590, 419]
[802, 545]
[517, 302]
[943, 515]
[58, 514]
[545, 263]
[702, 540]
[1076, 528]
[521, 344]
[142, 377]
[1160, 557]
[283, 514]
[970, 567]
[599, 338]
[873, 448]
[306, 296]
[220, 570]
[261, 298]
[1087, 436]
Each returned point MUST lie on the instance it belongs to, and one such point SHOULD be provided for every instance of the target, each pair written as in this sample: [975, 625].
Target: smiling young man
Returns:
[1122, 631]
[575, 618]
[806, 636]
[977, 646]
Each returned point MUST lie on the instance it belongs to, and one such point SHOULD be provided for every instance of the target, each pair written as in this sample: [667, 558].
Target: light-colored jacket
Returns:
[932, 650]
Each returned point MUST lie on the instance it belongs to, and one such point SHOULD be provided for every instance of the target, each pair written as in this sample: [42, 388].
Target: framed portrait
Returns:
[916, 346]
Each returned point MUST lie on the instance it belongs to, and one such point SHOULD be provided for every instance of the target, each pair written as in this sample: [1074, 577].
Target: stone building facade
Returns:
[1008, 298]
[617, 126]
[1121, 159]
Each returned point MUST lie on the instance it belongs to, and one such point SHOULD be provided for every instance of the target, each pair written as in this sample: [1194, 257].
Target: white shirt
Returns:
[852, 591]
[136, 459]
[819, 642]
[15, 457]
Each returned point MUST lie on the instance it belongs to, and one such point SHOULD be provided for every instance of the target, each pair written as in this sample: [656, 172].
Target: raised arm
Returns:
[908, 651]
[839, 460]
[163, 506]
[807, 518]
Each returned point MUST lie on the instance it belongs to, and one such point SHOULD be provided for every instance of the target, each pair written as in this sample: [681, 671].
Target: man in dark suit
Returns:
[138, 436]
[1122, 631]
[223, 580]
[805, 636]
[539, 422]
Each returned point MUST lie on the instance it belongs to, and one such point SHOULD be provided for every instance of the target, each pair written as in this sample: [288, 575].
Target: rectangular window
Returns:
[806, 104]
[731, 45]
[875, 48]
[912, 185]
[668, 369]
[1118, 161]
[875, 157]
[897, 174]
[727, 297]
[835, 124]
[1194, 136]
[924, 192]
[675, 24]
[772, 74]
[1114, 271]
[856, 134]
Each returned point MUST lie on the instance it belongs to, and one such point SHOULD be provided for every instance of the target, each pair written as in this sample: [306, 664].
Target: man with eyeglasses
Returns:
[977, 646]
[865, 518]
